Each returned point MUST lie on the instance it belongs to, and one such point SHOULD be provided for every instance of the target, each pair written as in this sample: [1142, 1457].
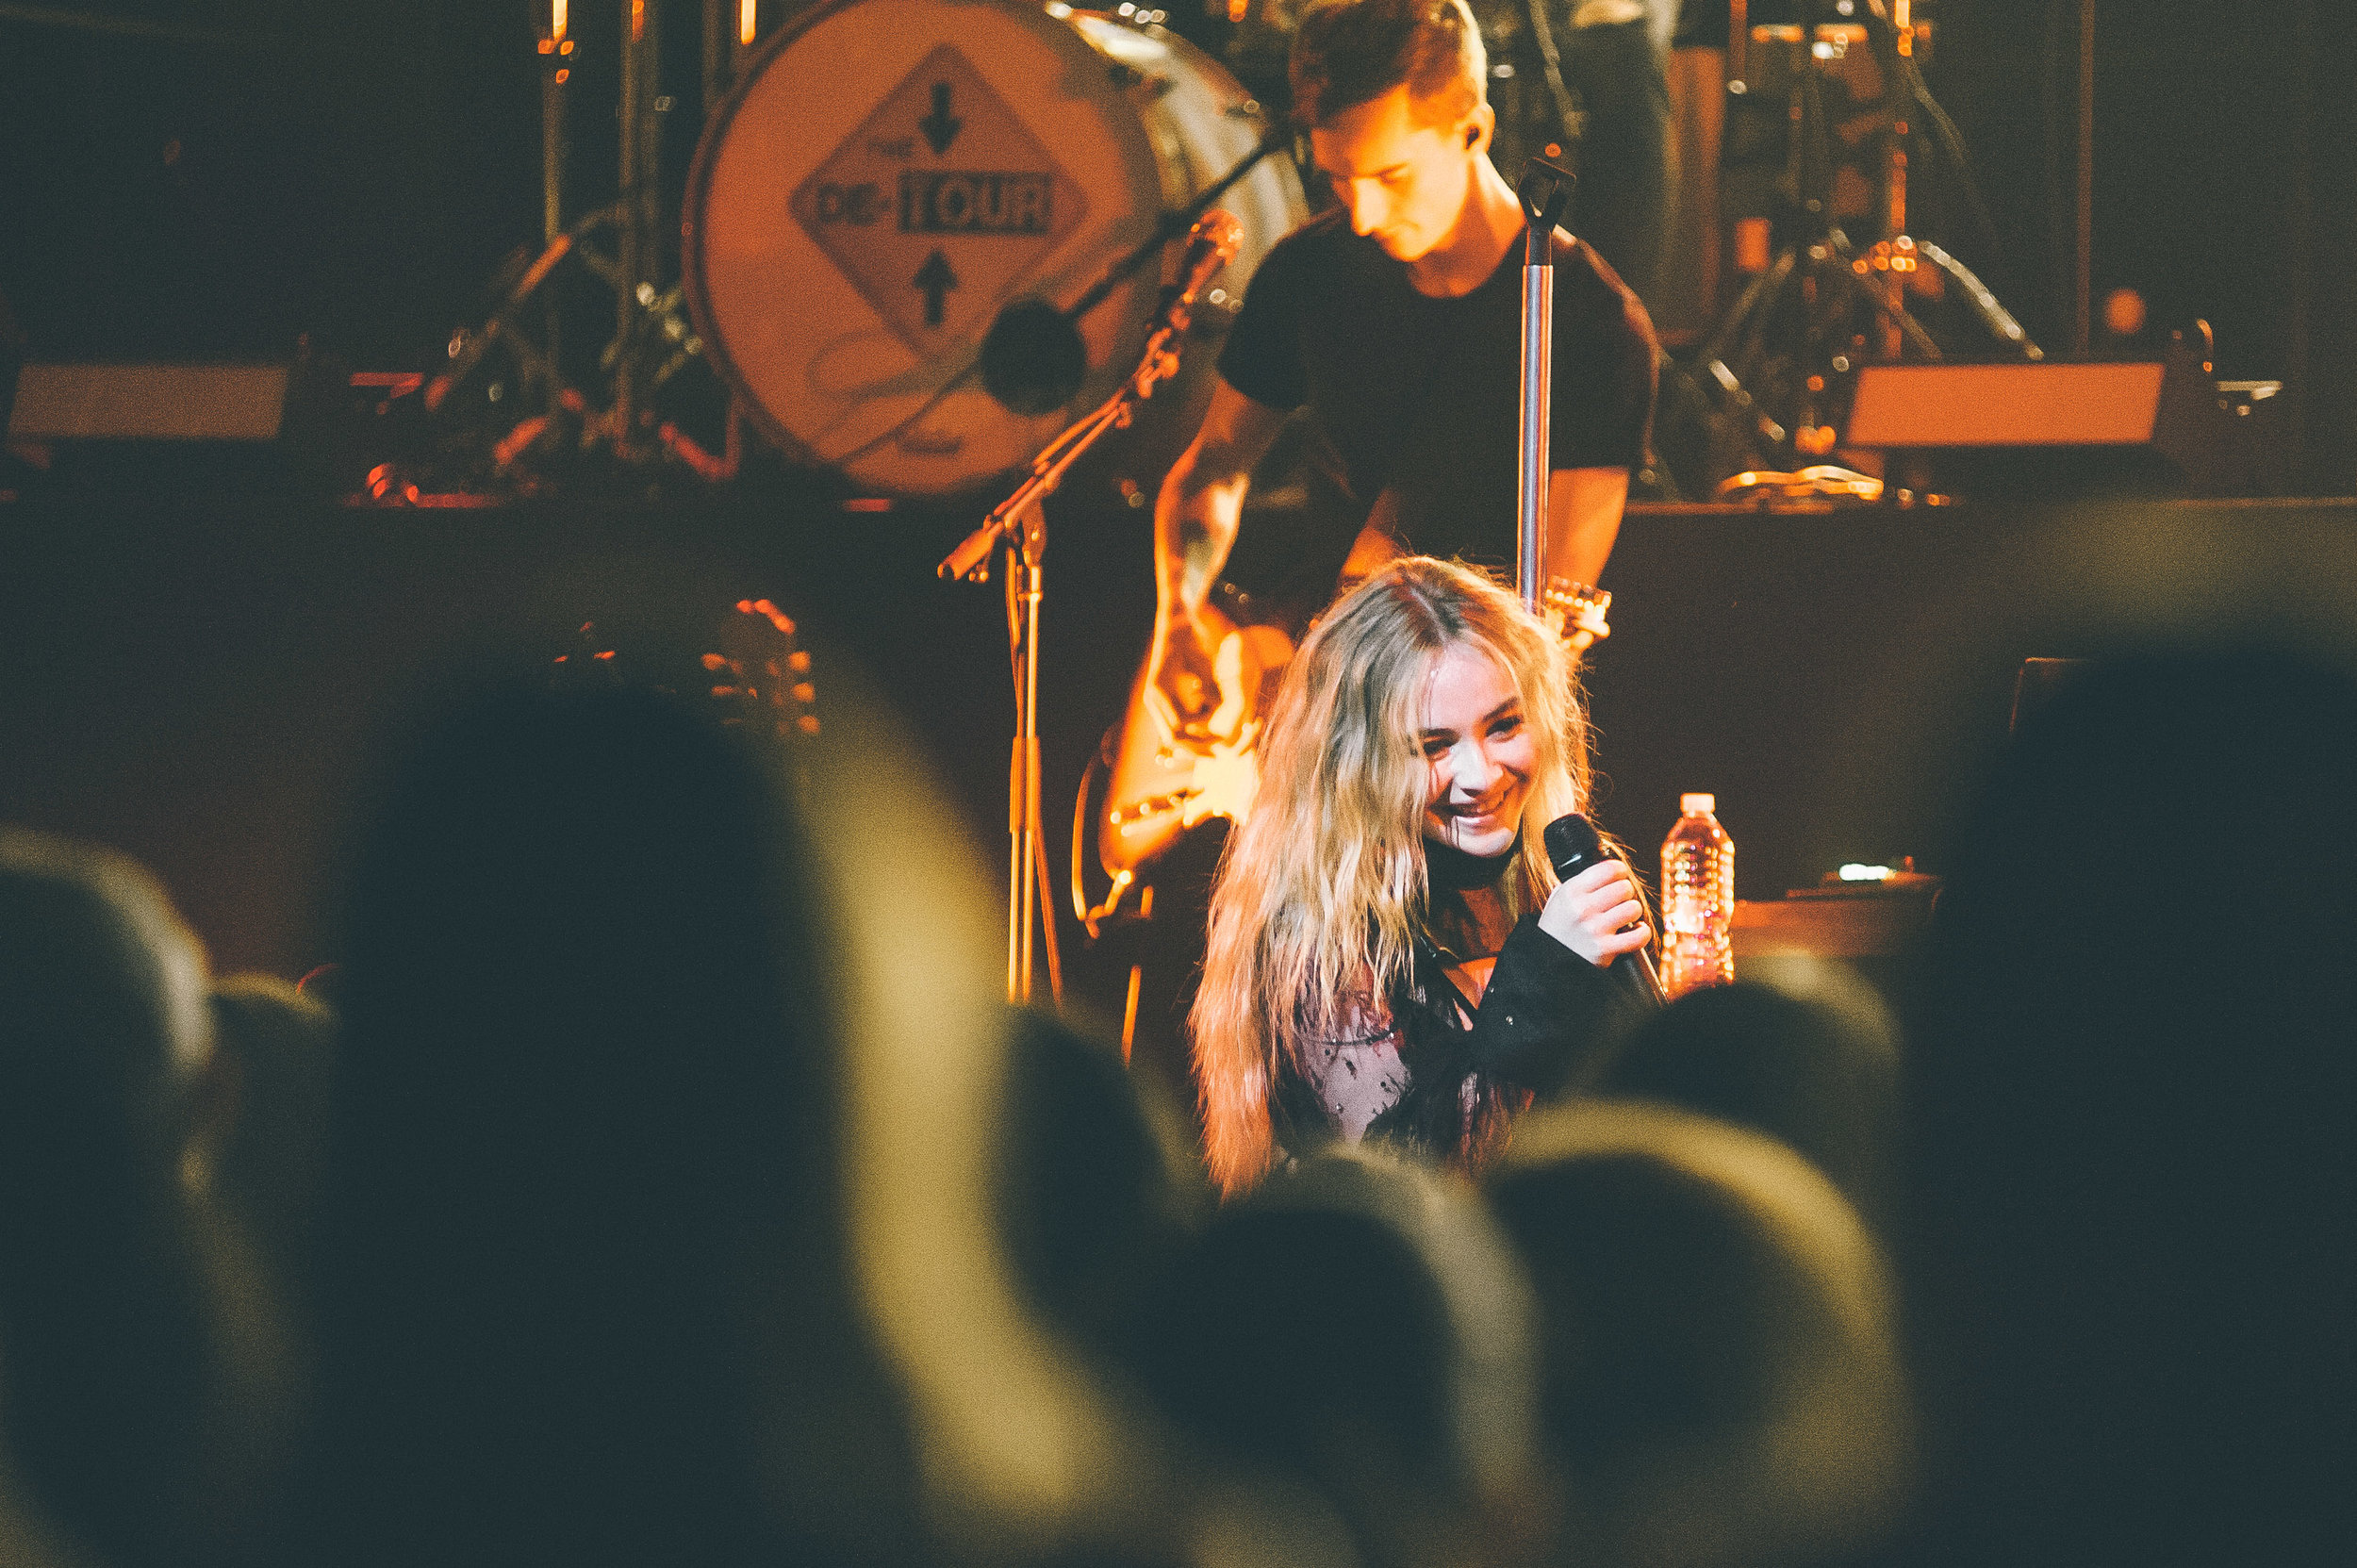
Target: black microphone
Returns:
[1033, 359]
[1210, 245]
[1573, 845]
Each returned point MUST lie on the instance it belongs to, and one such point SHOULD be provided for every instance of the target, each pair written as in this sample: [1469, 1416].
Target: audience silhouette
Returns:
[578, 1270]
[580, 1231]
[1361, 1326]
[1719, 1380]
[2130, 1096]
[1815, 1064]
[141, 1404]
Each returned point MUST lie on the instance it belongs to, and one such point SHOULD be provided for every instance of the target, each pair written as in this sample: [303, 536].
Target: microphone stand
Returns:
[1545, 194]
[1018, 525]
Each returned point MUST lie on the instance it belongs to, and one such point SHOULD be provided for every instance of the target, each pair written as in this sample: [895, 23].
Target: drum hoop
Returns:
[692, 207]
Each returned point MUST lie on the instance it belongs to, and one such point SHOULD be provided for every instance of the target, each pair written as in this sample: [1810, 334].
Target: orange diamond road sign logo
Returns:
[939, 204]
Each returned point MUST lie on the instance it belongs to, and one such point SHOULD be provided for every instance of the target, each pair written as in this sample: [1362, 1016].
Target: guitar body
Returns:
[1165, 777]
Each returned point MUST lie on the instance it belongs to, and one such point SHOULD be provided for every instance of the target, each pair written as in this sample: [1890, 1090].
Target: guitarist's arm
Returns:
[1584, 508]
[1195, 519]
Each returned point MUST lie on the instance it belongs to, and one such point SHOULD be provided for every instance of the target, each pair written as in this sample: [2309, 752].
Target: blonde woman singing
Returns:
[1391, 955]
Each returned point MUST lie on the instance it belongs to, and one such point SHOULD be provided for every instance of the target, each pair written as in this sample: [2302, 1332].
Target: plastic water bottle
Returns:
[1697, 900]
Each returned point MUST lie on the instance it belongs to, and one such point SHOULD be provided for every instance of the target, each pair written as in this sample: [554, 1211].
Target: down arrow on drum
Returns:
[940, 128]
[934, 279]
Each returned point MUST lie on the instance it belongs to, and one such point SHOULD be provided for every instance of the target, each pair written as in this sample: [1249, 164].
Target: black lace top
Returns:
[1436, 1074]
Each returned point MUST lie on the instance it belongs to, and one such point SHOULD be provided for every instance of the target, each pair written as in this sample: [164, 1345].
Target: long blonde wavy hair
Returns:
[1322, 891]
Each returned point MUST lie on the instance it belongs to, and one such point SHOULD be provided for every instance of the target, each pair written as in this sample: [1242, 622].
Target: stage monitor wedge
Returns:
[2065, 430]
[1915, 406]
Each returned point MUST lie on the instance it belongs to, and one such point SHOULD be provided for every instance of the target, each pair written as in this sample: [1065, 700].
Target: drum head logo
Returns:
[939, 204]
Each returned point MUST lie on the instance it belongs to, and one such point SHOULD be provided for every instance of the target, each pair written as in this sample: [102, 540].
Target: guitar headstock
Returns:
[747, 663]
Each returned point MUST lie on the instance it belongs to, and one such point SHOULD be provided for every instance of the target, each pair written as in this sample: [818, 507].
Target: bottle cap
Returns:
[1698, 806]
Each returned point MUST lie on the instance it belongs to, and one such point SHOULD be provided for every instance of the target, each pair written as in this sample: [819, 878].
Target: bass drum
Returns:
[891, 177]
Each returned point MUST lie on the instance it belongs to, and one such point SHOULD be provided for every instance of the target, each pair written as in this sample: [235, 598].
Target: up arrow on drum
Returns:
[940, 128]
[934, 279]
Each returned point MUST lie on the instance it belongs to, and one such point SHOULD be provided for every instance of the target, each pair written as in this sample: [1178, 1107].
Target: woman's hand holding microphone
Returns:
[1597, 914]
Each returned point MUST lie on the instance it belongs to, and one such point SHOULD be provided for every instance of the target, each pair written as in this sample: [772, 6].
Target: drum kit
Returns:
[914, 235]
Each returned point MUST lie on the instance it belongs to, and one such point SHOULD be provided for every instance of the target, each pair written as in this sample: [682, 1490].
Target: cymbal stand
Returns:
[1018, 527]
[556, 54]
[1782, 360]
[638, 252]
[652, 339]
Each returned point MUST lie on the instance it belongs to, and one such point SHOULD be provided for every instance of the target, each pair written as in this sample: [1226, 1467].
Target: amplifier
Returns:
[149, 402]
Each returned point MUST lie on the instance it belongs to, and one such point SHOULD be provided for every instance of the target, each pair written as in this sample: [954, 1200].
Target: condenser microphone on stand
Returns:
[1210, 245]
[1034, 361]
[1573, 845]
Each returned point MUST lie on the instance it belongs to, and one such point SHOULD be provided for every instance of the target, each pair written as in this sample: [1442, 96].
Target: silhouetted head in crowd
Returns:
[104, 1049]
[577, 1235]
[1721, 1381]
[1091, 1199]
[276, 1049]
[2131, 1093]
[1360, 1325]
[1816, 1067]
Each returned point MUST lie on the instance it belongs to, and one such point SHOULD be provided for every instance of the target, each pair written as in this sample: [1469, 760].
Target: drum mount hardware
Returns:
[1777, 369]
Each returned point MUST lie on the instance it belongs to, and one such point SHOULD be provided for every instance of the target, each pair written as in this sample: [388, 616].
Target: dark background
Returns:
[196, 670]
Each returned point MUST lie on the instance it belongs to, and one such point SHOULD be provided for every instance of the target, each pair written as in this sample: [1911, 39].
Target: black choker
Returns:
[1450, 870]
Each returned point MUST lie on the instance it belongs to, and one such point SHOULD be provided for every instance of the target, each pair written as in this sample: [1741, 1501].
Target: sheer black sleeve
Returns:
[1548, 1018]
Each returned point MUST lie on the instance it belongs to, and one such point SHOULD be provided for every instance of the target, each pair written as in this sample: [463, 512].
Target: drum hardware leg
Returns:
[656, 324]
[729, 29]
[556, 55]
[640, 250]
[720, 57]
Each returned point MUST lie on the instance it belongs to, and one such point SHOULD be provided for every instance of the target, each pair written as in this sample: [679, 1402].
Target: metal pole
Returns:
[1530, 557]
[557, 69]
[718, 55]
[1023, 793]
[2083, 258]
[640, 169]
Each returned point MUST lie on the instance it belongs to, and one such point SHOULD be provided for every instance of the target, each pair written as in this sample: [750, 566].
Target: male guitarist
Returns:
[1397, 317]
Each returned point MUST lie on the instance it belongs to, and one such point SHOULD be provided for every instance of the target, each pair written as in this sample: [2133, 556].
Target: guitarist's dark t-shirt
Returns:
[1423, 395]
